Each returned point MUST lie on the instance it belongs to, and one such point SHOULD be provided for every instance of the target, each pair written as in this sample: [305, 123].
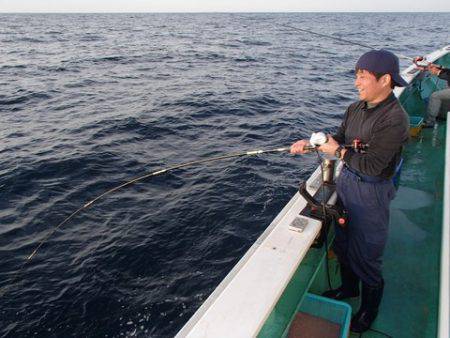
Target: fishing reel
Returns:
[317, 206]
[319, 138]
[316, 140]
[358, 146]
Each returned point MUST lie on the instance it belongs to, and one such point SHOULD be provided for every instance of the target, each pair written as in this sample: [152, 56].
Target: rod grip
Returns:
[309, 148]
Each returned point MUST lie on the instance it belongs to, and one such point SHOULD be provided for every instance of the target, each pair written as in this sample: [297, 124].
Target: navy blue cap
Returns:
[382, 62]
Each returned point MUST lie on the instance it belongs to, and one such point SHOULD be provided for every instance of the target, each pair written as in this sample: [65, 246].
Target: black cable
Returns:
[327, 268]
[376, 331]
[380, 332]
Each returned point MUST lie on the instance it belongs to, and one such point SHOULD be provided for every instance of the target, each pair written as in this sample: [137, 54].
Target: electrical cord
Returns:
[380, 332]
[327, 268]
[376, 331]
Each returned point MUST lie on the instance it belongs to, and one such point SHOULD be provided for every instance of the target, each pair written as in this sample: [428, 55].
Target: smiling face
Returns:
[371, 89]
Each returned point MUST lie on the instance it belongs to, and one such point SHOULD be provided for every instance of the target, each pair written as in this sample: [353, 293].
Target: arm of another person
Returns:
[442, 73]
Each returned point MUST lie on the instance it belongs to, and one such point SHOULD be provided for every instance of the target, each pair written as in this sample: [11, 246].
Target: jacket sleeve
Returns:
[387, 140]
[445, 74]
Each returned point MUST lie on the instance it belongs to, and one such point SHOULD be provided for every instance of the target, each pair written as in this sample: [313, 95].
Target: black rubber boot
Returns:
[349, 287]
[370, 301]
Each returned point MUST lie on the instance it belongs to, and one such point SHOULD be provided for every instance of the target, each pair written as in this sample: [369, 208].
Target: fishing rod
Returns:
[130, 182]
[152, 174]
[316, 140]
[342, 40]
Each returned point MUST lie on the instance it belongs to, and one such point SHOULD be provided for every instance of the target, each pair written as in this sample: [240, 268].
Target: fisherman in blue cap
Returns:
[365, 185]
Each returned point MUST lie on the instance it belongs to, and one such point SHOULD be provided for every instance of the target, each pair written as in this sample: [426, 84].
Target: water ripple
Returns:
[89, 101]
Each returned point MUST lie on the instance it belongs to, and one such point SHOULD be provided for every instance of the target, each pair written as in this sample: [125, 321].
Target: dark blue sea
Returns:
[89, 101]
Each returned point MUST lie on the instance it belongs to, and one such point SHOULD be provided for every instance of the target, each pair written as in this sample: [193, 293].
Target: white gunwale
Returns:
[444, 304]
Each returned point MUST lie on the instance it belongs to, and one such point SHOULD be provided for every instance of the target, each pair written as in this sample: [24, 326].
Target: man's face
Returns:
[370, 89]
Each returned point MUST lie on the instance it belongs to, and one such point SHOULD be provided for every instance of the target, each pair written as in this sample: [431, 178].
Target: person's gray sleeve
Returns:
[388, 138]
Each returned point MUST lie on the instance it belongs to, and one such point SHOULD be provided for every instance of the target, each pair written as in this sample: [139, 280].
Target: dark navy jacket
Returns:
[385, 128]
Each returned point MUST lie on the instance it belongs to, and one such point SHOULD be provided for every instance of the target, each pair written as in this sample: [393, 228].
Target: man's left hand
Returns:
[330, 147]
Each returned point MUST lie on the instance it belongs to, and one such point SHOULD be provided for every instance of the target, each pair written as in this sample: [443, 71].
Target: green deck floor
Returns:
[411, 262]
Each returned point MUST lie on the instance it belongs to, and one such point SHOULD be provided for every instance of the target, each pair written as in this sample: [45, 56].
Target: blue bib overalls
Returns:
[360, 244]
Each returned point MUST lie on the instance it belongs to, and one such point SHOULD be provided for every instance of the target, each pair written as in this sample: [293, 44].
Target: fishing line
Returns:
[342, 40]
[135, 180]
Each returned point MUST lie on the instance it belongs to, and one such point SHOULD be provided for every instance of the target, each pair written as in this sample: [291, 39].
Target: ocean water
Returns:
[88, 101]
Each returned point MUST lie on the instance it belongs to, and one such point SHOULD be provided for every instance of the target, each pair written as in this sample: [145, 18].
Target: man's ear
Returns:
[387, 79]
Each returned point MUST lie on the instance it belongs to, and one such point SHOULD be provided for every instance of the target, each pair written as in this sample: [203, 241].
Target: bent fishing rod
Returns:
[316, 140]
[128, 183]
[152, 174]
[342, 40]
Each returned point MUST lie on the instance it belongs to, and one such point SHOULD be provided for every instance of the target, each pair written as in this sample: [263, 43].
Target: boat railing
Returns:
[444, 305]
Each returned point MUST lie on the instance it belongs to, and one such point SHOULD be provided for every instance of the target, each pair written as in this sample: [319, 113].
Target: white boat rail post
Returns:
[444, 304]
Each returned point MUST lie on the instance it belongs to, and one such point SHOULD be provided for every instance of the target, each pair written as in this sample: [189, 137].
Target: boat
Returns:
[291, 263]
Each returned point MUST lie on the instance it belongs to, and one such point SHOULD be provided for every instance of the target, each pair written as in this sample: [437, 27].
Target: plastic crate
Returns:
[329, 309]
[415, 125]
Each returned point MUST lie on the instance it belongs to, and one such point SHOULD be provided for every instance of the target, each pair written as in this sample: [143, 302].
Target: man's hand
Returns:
[431, 67]
[420, 67]
[330, 147]
[298, 147]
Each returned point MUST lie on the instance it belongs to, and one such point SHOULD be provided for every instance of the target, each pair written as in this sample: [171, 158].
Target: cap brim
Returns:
[398, 80]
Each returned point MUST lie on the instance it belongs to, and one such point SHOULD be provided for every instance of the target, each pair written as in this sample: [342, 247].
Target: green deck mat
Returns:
[411, 262]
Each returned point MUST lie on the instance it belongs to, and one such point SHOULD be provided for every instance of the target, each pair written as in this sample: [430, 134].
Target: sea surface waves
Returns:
[88, 101]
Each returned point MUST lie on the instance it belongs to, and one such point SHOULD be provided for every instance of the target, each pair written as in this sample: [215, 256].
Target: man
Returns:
[438, 97]
[364, 186]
